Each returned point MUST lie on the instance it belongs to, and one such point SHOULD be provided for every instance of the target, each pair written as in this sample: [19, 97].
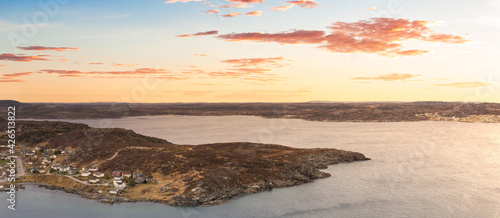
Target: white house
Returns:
[116, 182]
[85, 173]
[94, 180]
[98, 174]
[113, 191]
[93, 169]
[119, 185]
[64, 168]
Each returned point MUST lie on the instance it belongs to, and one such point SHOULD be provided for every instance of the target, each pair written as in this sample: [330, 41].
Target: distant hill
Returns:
[327, 111]
[9, 103]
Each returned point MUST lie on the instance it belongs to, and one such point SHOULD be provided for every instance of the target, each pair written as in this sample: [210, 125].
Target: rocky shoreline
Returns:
[303, 171]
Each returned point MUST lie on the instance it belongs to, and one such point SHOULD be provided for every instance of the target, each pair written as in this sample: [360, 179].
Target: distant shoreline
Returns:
[330, 112]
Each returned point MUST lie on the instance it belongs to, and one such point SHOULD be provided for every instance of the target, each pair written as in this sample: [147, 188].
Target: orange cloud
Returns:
[96, 63]
[254, 13]
[13, 57]
[246, 62]
[246, 69]
[212, 12]
[371, 8]
[184, 36]
[13, 77]
[282, 7]
[138, 73]
[464, 85]
[213, 32]
[232, 14]
[294, 37]
[2, 65]
[390, 77]
[304, 3]
[123, 65]
[43, 48]
[378, 35]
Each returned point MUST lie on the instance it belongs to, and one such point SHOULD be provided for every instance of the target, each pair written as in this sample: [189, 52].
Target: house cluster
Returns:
[4, 170]
[65, 169]
[118, 179]
[93, 171]
[470, 118]
[140, 178]
[119, 176]
[38, 158]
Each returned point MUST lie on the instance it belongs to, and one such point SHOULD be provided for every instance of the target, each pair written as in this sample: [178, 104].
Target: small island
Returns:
[117, 165]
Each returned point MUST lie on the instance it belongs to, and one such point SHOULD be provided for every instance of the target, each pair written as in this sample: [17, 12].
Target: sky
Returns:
[153, 51]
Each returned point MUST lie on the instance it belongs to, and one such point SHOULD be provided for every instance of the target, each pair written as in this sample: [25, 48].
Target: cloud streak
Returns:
[123, 65]
[390, 77]
[232, 14]
[464, 84]
[22, 58]
[243, 69]
[207, 33]
[44, 48]
[13, 77]
[256, 62]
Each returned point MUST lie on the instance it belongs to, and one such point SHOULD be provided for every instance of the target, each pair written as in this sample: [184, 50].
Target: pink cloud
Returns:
[378, 35]
[212, 12]
[282, 7]
[232, 14]
[254, 13]
[213, 32]
[304, 3]
[241, 5]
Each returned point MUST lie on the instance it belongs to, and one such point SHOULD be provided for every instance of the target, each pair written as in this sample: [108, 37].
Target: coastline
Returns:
[441, 119]
[305, 172]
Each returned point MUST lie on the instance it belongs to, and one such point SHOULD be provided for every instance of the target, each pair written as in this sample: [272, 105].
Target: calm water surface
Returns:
[418, 169]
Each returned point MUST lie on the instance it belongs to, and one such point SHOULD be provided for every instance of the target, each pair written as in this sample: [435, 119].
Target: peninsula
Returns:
[118, 165]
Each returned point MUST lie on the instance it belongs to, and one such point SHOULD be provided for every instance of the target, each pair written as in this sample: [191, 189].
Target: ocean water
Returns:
[418, 169]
